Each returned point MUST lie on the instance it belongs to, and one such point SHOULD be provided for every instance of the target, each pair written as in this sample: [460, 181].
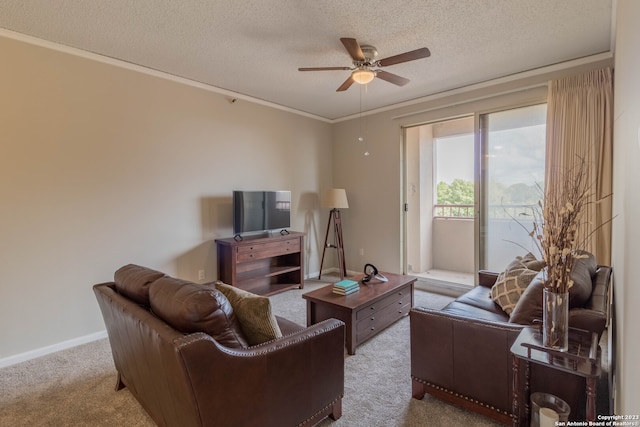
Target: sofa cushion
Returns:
[529, 307]
[191, 307]
[254, 313]
[459, 309]
[133, 282]
[479, 297]
[582, 275]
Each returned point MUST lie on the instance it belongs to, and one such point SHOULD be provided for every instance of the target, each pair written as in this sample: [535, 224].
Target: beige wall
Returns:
[103, 166]
[626, 226]
[453, 243]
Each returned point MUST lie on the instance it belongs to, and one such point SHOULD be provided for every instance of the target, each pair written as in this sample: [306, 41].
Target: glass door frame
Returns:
[404, 150]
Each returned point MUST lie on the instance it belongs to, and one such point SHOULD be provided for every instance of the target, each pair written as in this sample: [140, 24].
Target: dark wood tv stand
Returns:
[263, 264]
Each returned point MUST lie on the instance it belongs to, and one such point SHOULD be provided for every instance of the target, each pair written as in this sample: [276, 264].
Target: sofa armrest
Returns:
[467, 356]
[272, 384]
[588, 320]
[487, 278]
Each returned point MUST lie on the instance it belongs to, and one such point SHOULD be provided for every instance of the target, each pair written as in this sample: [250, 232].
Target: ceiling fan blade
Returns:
[353, 48]
[392, 78]
[346, 85]
[323, 68]
[404, 57]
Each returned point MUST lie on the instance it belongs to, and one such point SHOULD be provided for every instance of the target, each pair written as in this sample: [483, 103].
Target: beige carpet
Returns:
[75, 387]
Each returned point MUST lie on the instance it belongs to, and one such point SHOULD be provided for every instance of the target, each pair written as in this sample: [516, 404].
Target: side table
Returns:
[582, 359]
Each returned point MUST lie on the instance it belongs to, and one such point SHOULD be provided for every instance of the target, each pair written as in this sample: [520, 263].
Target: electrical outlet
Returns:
[361, 251]
[201, 275]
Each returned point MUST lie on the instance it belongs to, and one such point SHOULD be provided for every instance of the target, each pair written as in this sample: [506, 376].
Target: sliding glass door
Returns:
[469, 186]
[512, 146]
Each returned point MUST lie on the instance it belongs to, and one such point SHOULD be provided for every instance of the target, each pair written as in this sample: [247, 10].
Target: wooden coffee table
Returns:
[365, 313]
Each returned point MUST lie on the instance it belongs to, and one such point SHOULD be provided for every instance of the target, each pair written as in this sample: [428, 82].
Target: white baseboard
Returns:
[315, 274]
[311, 275]
[330, 270]
[43, 351]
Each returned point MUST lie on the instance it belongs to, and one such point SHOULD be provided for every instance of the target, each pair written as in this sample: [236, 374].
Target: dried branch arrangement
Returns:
[558, 225]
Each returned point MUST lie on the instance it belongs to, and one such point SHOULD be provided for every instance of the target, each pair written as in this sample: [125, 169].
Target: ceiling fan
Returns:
[365, 64]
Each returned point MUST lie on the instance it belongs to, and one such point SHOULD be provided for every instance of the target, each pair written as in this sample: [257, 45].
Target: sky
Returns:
[515, 156]
[455, 158]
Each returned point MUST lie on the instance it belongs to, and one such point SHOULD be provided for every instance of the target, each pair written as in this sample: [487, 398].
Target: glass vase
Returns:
[555, 320]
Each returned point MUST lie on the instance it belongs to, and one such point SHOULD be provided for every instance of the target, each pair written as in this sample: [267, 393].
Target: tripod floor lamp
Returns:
[336, 199]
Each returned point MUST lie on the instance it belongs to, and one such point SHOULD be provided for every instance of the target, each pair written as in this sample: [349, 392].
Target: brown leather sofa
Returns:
[461, 354]
[189, 378]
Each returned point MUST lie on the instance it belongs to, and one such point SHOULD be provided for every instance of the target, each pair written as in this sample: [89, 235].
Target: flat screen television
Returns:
[261, 211]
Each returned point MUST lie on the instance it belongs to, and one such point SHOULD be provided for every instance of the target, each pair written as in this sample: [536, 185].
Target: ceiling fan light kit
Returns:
[366, 67]
[363, 76]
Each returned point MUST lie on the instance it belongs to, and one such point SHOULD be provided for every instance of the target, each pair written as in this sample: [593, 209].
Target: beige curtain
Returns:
[579, 125]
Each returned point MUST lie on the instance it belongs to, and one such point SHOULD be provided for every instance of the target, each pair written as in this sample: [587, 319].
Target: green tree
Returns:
[459, 192]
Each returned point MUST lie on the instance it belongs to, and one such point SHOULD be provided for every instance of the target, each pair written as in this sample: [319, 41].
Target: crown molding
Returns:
[150, 71]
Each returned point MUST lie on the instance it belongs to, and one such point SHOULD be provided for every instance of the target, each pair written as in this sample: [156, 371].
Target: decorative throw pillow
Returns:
[506, 291]
[512, 282]
[258, 322]
[191, 307]
[529, 261]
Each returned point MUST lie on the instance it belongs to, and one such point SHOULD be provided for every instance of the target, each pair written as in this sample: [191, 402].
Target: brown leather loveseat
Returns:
[183, 376]
[461, 354]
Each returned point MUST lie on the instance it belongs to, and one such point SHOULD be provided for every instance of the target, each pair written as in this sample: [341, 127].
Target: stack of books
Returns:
[346, 287]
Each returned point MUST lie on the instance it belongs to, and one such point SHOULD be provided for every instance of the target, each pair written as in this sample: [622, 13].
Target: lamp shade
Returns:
[335, 198]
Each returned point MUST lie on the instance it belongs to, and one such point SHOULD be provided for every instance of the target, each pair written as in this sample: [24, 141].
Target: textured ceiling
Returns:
[254, 47]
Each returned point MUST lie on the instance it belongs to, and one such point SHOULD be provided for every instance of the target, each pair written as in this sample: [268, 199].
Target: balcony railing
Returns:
[518, 212]
[454, 211]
